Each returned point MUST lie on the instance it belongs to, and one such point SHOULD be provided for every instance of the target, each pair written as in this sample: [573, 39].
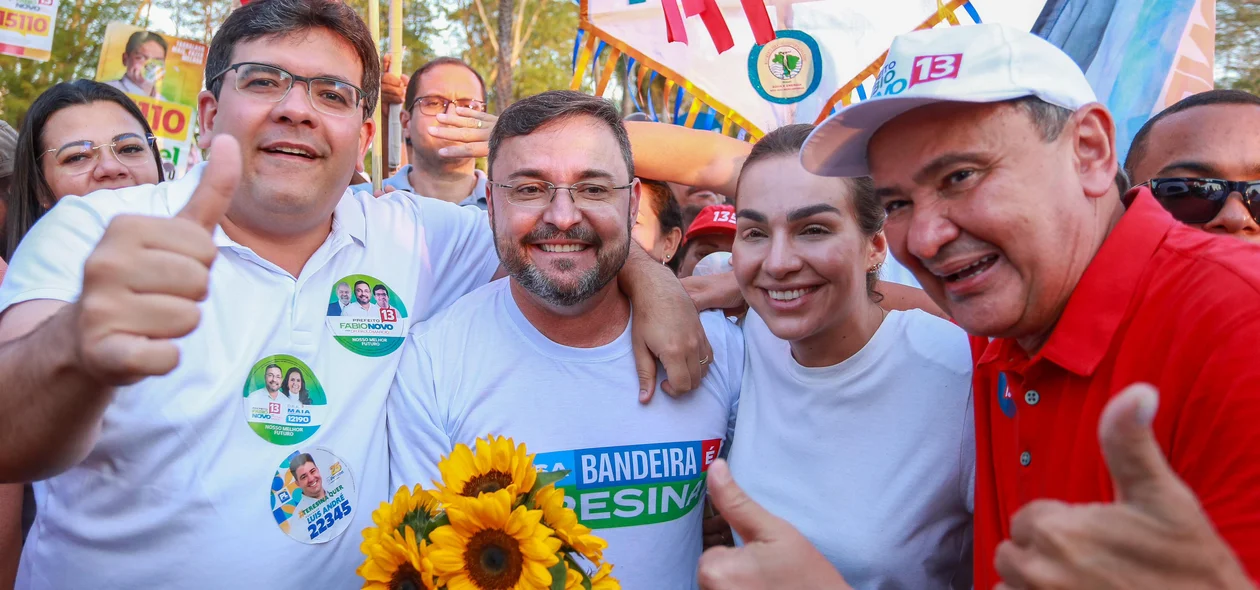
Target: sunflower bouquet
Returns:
[494, 522]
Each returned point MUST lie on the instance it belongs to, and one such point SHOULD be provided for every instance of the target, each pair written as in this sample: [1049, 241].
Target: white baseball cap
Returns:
[971, 63]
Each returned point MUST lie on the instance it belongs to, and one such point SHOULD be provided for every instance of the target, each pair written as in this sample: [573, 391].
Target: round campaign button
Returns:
[284, 402]
[313, 496]
[366, 316]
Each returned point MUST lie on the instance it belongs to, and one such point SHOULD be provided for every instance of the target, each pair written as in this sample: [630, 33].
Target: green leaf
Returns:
[436, 523]
[558, 574]
[546, 478]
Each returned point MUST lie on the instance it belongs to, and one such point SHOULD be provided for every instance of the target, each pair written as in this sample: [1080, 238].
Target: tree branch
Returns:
[529, 31]
[485, 20]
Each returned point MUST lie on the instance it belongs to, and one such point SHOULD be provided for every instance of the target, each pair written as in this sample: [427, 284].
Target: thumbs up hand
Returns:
[142, 282]
[775, 555]
[1155, 535]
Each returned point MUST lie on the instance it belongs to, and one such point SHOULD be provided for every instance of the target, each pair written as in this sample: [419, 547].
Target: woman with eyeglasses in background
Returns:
[78, 137]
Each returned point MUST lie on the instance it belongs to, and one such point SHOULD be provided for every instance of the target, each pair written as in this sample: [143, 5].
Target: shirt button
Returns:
[1025, 458]
[1032, 397]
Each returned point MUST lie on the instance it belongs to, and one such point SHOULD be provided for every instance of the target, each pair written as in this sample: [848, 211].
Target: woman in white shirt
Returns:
[854, 422]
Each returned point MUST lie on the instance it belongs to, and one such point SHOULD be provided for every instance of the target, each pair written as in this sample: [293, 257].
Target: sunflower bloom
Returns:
[395, 561]
[573, 578]
[498, 464]
[602, 578]
[565, 522]
[414, 508]
[490, 546]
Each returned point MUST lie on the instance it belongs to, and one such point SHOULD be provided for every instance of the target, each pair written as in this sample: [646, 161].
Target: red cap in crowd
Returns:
[714, 219]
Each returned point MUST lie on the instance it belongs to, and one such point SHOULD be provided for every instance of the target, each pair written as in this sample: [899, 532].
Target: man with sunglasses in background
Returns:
[445, 127]
[1201, 160]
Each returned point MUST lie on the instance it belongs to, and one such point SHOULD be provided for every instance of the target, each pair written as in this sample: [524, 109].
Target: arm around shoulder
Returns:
[687, 156]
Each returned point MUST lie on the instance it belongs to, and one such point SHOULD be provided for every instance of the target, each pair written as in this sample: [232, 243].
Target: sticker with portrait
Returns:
[366, 316]
[313, 496]
[284, 402]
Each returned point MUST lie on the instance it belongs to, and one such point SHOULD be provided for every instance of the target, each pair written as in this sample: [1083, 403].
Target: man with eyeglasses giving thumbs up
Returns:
[126, 359]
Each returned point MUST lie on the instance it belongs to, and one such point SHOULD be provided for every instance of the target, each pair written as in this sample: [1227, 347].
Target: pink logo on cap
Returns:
[930, 68]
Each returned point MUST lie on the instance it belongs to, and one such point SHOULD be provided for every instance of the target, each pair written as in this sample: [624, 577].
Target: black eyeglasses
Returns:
[1199, 200]
[272, 84]
[436, 105]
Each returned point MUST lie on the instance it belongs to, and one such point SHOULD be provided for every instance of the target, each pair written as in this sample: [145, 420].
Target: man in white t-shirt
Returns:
[124, 351]
[544, 357]
[362, 306]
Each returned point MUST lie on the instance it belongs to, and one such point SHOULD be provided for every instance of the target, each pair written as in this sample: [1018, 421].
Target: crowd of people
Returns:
[947, 338]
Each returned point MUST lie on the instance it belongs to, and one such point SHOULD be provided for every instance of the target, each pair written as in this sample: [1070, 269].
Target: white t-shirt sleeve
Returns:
[461, 246]
[49, 262]
[727, 368]
[967, 454]
[416, 423]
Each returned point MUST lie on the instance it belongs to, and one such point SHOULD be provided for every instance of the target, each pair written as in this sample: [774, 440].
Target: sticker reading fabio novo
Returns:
[366, 316]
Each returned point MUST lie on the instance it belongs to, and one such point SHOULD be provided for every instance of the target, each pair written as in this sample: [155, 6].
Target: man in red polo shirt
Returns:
[999, 173]
[998, 170]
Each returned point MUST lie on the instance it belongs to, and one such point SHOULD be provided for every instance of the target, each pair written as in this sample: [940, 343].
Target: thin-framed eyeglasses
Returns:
[79, 157]
[536, 194]
[433, 105]
[272, 84]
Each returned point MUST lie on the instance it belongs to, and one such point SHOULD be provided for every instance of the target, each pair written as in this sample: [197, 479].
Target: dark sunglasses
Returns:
[1199, 200]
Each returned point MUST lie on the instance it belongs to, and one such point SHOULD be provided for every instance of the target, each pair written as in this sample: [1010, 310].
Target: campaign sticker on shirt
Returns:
[1006, 401]
[284, 402]
[313, 496]
[366, 316]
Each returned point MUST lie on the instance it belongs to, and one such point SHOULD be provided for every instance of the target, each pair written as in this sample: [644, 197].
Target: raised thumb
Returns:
[746, 517]
[213, 195]
[1137, 465]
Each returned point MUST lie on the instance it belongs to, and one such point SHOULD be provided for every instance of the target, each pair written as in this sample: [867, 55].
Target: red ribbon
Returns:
[674, 28]
[693, 7]
[712, 17]
[759, 20]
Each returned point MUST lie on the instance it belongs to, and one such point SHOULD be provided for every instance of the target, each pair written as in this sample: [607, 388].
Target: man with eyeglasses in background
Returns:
[445, 127]
[134, 323]
[1201, 159]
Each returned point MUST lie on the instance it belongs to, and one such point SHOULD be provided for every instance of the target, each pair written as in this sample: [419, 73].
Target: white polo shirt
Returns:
[180, 490]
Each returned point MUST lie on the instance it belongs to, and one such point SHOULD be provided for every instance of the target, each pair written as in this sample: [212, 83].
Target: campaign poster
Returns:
[163, 74]
[26, 28]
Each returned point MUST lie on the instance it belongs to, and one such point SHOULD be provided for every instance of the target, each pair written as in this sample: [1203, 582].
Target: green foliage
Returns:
[419, 29]
[76, 50]
[1238, 45]
[195, 19]
[545, 56]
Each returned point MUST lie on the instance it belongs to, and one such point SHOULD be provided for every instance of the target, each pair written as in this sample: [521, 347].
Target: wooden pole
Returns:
[396, 64]
[374, 24]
